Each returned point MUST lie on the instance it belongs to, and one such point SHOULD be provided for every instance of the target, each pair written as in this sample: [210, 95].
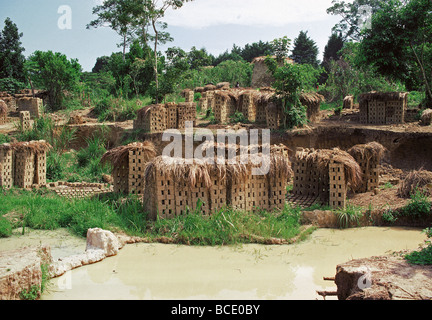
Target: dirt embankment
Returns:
[383, 278]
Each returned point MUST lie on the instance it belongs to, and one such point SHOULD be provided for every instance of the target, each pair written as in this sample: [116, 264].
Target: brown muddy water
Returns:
[244, 272]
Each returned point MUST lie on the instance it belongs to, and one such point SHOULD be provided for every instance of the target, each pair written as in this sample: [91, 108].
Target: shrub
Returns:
[419, 205]
[422, 257]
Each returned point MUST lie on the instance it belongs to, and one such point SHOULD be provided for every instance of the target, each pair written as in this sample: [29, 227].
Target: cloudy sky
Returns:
[213, 24]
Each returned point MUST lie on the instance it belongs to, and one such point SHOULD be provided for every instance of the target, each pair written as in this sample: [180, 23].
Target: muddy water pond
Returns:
[245, 272]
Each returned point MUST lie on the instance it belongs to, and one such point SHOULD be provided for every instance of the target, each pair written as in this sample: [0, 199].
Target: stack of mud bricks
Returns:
[224, 108]
[383, 108]
[211, 100]
[370, 172]
[218, 195]
[24, 169]
[338, 188]
[33, 105]
[257, 193]
[3, 118]
[165, 198]
[249, 108]
[395, 112]
[172, 117]
[306, 180]
[9, 100]
[220, 109]
[120, 176]
[136, 173]
[40, 169]
[200, 197]
[273, 117]
[189, 96]
[25, 121]
[78, 190]
[278, 192]
[186, 112]
[377, 112]
[237, 195]
[6, 166]
[156, 119]
[203, 102]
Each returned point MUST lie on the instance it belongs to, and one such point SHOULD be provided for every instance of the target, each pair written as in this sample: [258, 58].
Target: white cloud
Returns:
[275, 13]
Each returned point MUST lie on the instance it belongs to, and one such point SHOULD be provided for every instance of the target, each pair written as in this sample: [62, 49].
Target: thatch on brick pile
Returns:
[311, 98]
[142, 113]
[348, 102]
[5, 147]
[35, 147]
[181, 171]
[426, 117]
[119, 155]
[417, 180]
[185, 92]
[321, 159]
[223, 85]
[3, 108]
[372, 150]
[383, 96]
[199, 89]
[210, 87]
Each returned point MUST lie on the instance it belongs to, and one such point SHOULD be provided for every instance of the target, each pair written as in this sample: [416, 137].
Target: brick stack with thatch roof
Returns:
[324, 176]
[175, 186]
[383, 107]
[368, 156]
[3, 112]
[128, 164]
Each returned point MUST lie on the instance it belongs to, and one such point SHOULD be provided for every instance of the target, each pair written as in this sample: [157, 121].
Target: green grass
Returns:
[43, 210]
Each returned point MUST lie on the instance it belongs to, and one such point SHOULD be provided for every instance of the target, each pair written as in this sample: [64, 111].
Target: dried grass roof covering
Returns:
[143, 111]
[426, 117]
[223, 85]
[189, 172]
[321, 159]
[36, 147]
[311, 98]
[210, 87]
[372, 150]
[416, 180]
[383, 96]
[3, 107]
[5, 147]
[199, 89]
[119, 155]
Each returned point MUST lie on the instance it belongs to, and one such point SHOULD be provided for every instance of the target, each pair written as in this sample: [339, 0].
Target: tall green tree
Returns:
[305, 50]
[355, 16]
[11, 52]
[399, 43]
[55, 73]
[117, 15]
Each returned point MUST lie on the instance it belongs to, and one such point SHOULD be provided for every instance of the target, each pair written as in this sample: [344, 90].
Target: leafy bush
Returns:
[422, 257]
[4, 138]
[11, 85]
[419, 205]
